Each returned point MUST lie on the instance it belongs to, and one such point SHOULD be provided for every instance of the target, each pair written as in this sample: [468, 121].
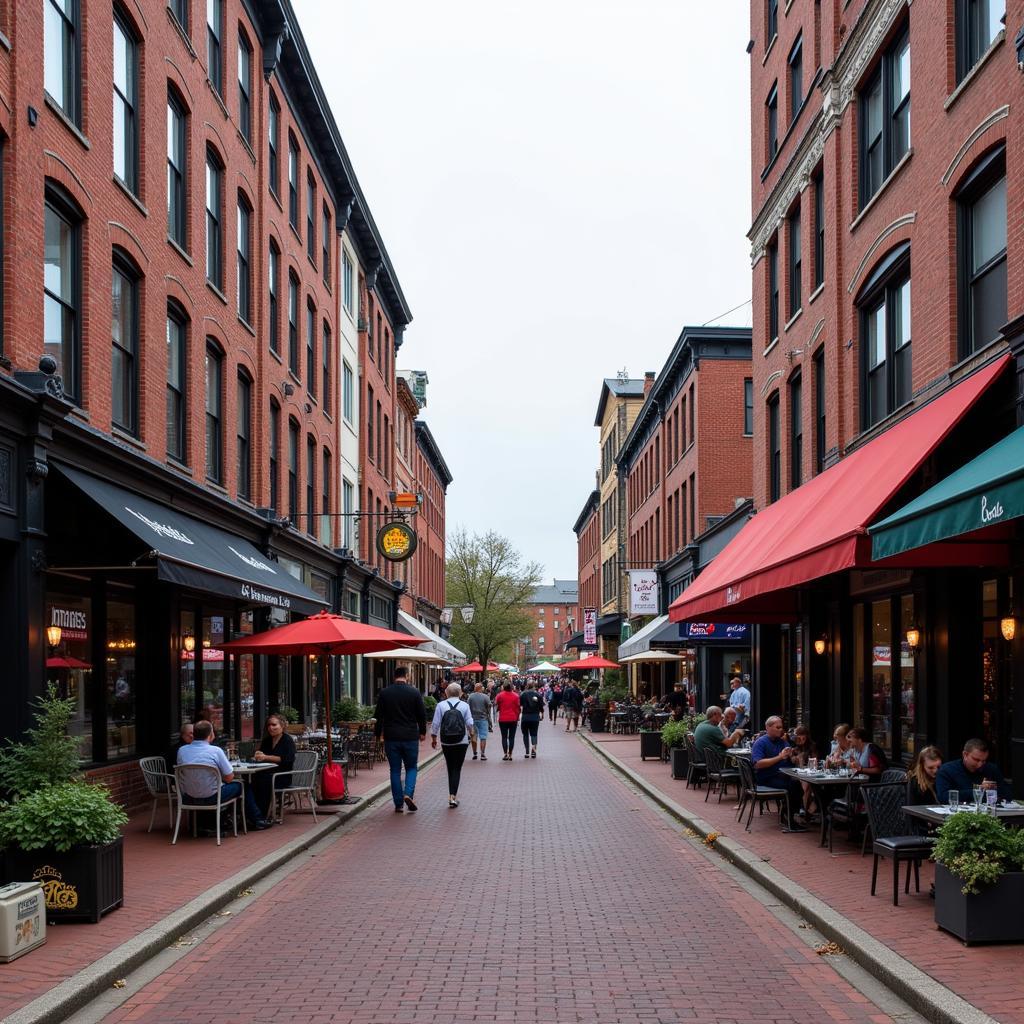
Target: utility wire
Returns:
[747, 302]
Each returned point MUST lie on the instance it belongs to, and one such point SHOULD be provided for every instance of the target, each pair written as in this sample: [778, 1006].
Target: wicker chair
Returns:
[752, 792]
[719, 775]
[884, 805]
[299, 782]
[160, 785]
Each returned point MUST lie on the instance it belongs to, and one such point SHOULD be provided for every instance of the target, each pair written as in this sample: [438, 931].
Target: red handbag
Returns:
[332, 782]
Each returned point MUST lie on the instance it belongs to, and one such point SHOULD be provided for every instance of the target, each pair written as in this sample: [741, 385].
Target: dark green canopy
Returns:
[987, 491]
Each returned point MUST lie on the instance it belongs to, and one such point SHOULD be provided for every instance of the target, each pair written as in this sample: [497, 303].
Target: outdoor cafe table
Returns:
[245, 770]
[936, 814]
[824, 787]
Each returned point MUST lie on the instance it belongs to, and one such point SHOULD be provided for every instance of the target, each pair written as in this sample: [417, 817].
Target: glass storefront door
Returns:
[68, 662]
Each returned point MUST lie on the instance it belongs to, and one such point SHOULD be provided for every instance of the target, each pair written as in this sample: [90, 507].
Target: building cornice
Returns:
[427, 444]
[589, 509]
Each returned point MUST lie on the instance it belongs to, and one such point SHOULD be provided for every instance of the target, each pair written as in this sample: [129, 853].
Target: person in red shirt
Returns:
[507, 703]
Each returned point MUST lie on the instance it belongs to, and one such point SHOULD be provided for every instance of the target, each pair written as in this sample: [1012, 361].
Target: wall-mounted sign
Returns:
[73, 622]
[717, 631]
[643, 592]
[590, 625]
[396, 541]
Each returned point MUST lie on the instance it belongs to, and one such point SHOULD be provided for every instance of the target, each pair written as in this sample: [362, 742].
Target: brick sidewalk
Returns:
[553, 893]
[989, 977]
[158, 879]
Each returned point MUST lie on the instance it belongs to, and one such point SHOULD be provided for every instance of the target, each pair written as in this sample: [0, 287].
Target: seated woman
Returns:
[277, 748]
[803, 749]
[921, 778]
[842, 753]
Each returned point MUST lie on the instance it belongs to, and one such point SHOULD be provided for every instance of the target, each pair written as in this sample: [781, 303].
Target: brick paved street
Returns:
[554, 893]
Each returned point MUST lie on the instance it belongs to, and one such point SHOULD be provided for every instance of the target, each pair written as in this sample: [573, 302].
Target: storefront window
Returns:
[881, 674]
[997, 692]
[187, 672]
[120, 679]
[68, 665]
[213, 676]
[858, 664]
[246, 696]
[908, 694]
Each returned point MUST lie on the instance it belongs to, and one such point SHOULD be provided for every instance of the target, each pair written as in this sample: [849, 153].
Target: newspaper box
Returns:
[22, 919]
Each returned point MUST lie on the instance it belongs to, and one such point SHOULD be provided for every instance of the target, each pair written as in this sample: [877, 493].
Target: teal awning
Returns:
[987, 491]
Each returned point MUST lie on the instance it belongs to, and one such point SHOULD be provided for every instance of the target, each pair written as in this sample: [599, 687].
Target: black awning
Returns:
[576, 643]
[194, 554]
[610, 625]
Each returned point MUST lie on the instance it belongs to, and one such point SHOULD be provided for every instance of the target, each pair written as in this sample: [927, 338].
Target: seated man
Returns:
[709, 733]
[972, 769]
[202, 751]
[678, 699]
[769, 754]
[728, 722]
[185, 737]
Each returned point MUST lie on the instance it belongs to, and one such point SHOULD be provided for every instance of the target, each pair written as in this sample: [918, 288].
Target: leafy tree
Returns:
[486, 571]
[49, 755]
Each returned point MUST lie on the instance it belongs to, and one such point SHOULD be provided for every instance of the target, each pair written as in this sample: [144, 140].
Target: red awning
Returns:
[821, 527]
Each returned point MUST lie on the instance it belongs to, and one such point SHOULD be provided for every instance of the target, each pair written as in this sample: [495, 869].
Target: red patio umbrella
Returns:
[475, 666]
[322, 634]
[585, 663]
[66, 661]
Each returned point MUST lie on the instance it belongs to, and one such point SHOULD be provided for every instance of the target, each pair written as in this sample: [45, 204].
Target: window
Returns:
[774, 450]
[179, 8]
[273, 313]
[772, 22]
[176, 363]
[796, 432]
[60, 57]
[293, 471]
[293, 323]
[214, 426]
[243, 271]
[325, 244]
[748, 406]
[347, 393]
[273, 141]
[214, 202]
[275, 447]
[311, 348]
[244, 88]
[243, 439]
[796, 78]
[380, 439]
[126, 101]
[369, 424]
[325, 362]
[348, 507]
[819, 230]
[311, 485]
[693, 414]
[62, 291]
[885, 118]
[884, 305]
[176, 205]
[795, 262]
[325, 499]
[978, 22]
[819, 410]
[772, 109]
[347, 281]
[124, 335]
[310, 216]
[214, 58]
[981, 250]
[773, 291]
[293, 182]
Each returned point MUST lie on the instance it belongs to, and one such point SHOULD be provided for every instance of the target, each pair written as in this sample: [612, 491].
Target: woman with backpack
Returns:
[532, 705]
[507, 703]
[453, 724]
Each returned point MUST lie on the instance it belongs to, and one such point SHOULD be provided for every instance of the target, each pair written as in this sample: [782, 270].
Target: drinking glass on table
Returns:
[977, 791]
[992, 798]
[954, 799]
[812, 763]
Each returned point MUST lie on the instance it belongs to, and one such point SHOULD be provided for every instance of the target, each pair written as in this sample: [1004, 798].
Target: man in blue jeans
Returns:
[402, 722]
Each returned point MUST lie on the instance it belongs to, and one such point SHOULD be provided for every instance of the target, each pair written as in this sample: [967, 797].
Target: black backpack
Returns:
[530, 702]
[453, 725]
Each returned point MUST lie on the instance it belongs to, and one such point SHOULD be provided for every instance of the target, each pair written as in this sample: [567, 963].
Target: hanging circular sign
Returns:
[396, 541]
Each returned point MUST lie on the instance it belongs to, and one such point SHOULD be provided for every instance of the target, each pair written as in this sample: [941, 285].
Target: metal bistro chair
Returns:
[299, 782]
[362, 746]
[888, 826]
[719, 774]
[754, 793]
[160, 785]
[696, 768]
[195, 773]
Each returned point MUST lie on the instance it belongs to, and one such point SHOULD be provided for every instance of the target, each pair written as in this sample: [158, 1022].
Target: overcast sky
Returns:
[561, 185]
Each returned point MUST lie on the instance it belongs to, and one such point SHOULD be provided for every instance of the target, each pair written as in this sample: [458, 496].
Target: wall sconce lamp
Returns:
[819, 645]
[53, 634]
[1008, 627]
[188, 642]
[913, 639]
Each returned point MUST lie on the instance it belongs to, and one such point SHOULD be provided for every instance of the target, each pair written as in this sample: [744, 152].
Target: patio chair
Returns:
[889, 777]
[160, 785]
[696, 769]
[753, 792]
[246, 749]
[719, 774]
[299, 782]
[199, 775]
[884, 805]
[362, 746]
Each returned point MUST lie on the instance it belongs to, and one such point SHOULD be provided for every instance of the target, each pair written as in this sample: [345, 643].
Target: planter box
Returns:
[598, 717]
[80, 885]
[992, 915]
[650, 745]
[680, 760]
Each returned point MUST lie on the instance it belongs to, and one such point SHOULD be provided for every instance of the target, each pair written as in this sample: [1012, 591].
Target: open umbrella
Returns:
[652, 656]
[322, 634]
[544, 666]
[475, 666]
[408, 655]
[66, 661]
[589, 663]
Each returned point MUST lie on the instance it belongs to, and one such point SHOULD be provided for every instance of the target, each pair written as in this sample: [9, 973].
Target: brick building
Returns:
[208, 260]
[888, 287]
[432, 480]
[555, 612]
[588, 547]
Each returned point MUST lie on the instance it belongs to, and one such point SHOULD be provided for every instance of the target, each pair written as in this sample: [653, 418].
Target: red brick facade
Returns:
[556, 616]
[588, 547]
[432, 480]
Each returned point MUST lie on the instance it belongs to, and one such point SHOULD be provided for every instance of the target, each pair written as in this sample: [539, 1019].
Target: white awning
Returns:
[651, 656]
[641, 641]
[438, 645]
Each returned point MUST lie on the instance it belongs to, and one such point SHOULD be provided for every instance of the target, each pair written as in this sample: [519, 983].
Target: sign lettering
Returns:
[989, 514]
[161, 529]
[254, 563]
[58, 893]
[590, 625]
[643, 592]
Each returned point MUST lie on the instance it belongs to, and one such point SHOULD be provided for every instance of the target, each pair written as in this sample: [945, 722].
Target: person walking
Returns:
[532, 707]
[480, 707]
[402, 722]
[507, 703]
[572, 698]
[453, 724]
[554, 702]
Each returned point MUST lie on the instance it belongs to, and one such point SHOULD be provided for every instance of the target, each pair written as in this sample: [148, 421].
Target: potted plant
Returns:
[291, 716]
[57, 828]
[673, 738]
[651, 744]
[979, 879]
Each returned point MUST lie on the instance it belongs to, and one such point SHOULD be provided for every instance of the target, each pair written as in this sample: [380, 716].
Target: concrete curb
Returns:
[73, 993]
[916, 988]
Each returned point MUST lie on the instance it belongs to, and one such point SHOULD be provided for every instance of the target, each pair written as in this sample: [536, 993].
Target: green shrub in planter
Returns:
[348, 709]
[673, 734]
[978, 849]
[430, 703]
[61, 817]
[291, 715]
[48, 755]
